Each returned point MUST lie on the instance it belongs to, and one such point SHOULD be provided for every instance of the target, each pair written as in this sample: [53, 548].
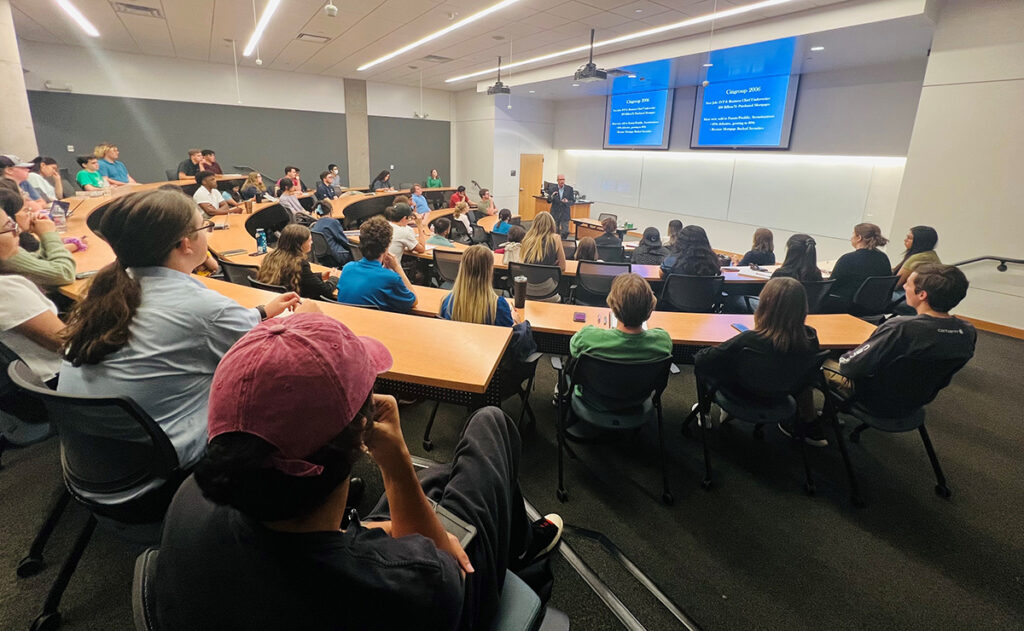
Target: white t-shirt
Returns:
[403, 239]
[203, 196]
[39, 183]
[21, 302]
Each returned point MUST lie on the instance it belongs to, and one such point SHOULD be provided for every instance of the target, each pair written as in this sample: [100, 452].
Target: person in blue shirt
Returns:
[504, 216]
[419, 202]
[110, 167]
[442, 227]
[472, 299]
[339, 250]
[377, 278]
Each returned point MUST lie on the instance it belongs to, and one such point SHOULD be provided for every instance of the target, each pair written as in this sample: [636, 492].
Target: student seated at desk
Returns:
[763, 250]
[542, 245]
[486, 205]
[512, 250]
[406, 238]
[801, 261]
[325, 188]
[778, 329]
[291, 173]
[920, 249]
[586, 250]
[263, 511]
[150, 331]
[208, 162]
[209, 198]
[442, 227]
[649, 251]
[434, 181]
[459, 196]
[472, 299]
[254, 188]
[461, 215]
[112, 169]
[187, 169]
[290, 203]
[51, 264]
[419, 202]
[610, 236]
[339, 249]
[504, 217]
[44, 177]
[89, 177]
[381, 182]
[378, 278]
[674, 227]
[691, 254]
[852, 268]
[288, 265]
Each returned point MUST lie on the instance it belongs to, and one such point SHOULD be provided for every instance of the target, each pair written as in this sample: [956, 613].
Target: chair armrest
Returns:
[533, 358]
[556, 363]
[673, 369]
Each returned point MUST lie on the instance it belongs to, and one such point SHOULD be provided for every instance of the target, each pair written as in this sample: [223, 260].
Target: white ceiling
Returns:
[367, 29]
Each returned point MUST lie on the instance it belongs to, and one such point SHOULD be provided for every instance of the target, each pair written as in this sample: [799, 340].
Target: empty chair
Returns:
[602, 216]
[237, 274]
[569, 247]
[594, 281]
[109, 446]
[446, 266]
[872, 298]
[172, 175]
[694, 294]
[279, 289]
[615, 396]
[542, 281]
[320, 247]
[479, 235]
[272, 219]
[357, 252]
[459, 232]
[817, 291]
[611, 253]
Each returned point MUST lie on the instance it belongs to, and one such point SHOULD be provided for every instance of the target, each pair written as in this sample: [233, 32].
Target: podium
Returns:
[540, 204]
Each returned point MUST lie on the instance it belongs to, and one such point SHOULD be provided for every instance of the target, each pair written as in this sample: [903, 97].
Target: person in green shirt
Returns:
[48, 267]
[434, 181]
[442, 226]
[89, 177]
[920, 243]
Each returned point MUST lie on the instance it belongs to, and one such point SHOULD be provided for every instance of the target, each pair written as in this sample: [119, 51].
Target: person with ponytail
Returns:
[801, 260]
[288, 265]
[852, 268]
[472, 299]
[147, 330]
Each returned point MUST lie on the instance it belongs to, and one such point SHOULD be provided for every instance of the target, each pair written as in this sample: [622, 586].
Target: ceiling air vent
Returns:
[315, 39]
[436, 59]
[136, 9]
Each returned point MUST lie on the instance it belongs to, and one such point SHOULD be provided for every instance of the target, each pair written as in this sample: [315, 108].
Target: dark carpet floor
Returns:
[753, 553]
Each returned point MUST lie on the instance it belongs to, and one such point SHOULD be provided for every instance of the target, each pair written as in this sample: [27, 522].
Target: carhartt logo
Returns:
[957, 331]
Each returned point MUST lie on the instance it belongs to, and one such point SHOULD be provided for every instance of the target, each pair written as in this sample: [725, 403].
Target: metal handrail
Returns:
[1003, 260]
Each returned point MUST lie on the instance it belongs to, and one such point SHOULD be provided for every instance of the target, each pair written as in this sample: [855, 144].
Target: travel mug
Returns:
[519, 291]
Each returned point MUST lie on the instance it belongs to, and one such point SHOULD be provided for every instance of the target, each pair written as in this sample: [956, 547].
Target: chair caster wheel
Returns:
[809, 488]
[46, 622]
[943, 491]
[428, 445]
[667, 498]
[706, 484]
[29, 566]
[563, 495]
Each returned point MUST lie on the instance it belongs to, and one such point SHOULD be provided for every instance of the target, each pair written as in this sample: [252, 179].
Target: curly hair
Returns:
[375, 237]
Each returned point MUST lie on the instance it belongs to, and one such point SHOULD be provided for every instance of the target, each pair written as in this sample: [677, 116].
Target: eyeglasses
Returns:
[207, 226]
[10, 226]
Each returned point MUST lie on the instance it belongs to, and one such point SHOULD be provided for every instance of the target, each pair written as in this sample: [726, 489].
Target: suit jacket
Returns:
[559, 209]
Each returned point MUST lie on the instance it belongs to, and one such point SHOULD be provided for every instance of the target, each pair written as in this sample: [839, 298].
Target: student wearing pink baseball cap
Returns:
[252, 539]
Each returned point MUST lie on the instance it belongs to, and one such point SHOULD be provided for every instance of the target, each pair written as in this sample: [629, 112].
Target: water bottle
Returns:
[261, 241]
[59, 218]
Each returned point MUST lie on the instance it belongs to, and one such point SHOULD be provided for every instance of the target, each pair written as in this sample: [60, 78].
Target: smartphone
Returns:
[740, 327]
[463, 530]
[579, 316]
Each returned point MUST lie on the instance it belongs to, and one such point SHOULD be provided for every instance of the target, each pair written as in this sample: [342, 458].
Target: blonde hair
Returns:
[473, 299]
[283, 266]
[631, 299]
[100, 151]
[542, 240]
[254, 179]
[460, 209]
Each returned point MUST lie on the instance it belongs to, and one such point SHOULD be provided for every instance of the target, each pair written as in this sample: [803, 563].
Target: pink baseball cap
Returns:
[296, 383]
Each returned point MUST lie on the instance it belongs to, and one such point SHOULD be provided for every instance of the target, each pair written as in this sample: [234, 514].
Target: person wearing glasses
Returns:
[150, 331]
[50, 265]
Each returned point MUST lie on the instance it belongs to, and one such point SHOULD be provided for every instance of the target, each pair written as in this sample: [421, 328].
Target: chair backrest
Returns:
[143, 598]
[611, 253]
[171, 174]
[357, 252]
[447, 263]
[516, 221]
[272, 219]
[874, 295]
[776, 374]
[616, 386]
[479, 234]
[497, 240]
[459, 230]
[816, 293]
[596, 278]
[12, 401]
[542, 281]
[108, 444]
[237, 274]
[603, 216]
[278, 289]
[320, 248]
[904, 385]
[694, 294]
[569, 247]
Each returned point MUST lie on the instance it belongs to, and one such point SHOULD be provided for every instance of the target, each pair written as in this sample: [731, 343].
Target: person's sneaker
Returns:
[813, 434]
[547, 532]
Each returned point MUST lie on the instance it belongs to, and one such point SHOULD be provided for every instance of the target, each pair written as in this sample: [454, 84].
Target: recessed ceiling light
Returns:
[77, 16]
[817, 48]
[575, 85]
[757, 6]
[436, 34]
[533, 91]
[638, 11]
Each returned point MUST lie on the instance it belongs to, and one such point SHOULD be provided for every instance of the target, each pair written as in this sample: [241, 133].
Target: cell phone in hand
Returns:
[740, 327]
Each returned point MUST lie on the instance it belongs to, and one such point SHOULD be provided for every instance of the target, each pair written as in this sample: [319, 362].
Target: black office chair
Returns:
[569, 247]
[272, 219]
[871, 301]
[615, 396]
[603, 216]
[357, 252]
[611, 253]
[25, 409]
[277, 289]
[497, 240]
[109, 445]
[237, 274]
[542, 281]
[515, 221]
[171, 174]
[320, 248]
[459, 232]
[763, 391]
[894, 400]
[693, 294]
[446, 266]
[479, 235]
[594, 282]
[817, 291]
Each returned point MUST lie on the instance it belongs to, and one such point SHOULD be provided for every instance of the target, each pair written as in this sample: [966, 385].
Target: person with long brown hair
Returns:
[146, 329]
[542, 245]
[288, 265]
[586, 249]
[691, 254]
[472, 299]
[852, 268]
[801, 260]
[779, 328]
[762, 252]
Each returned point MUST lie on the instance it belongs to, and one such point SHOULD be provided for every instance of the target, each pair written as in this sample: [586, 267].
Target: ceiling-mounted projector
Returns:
[499, 87]
[590, 72]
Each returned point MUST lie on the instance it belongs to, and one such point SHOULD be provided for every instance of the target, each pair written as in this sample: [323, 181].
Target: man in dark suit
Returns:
[561, 199]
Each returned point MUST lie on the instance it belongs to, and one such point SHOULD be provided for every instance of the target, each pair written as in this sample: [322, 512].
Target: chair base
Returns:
[46, 622]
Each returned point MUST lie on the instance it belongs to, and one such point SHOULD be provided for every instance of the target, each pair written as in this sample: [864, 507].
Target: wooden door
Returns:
[531, 176]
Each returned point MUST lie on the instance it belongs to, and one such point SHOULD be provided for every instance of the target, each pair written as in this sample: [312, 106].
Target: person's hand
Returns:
[42, 225]
[278, 305]
[325, 276]
[307, 306]
[389, 261]
[384, 441]
[455, 548]
[735, 260]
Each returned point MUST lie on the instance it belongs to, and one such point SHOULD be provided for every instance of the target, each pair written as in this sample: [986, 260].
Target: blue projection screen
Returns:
[638, 120]
[754, 113]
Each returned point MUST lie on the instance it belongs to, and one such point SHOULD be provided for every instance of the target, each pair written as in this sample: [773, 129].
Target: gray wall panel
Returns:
[156, 135]
[413, 146]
